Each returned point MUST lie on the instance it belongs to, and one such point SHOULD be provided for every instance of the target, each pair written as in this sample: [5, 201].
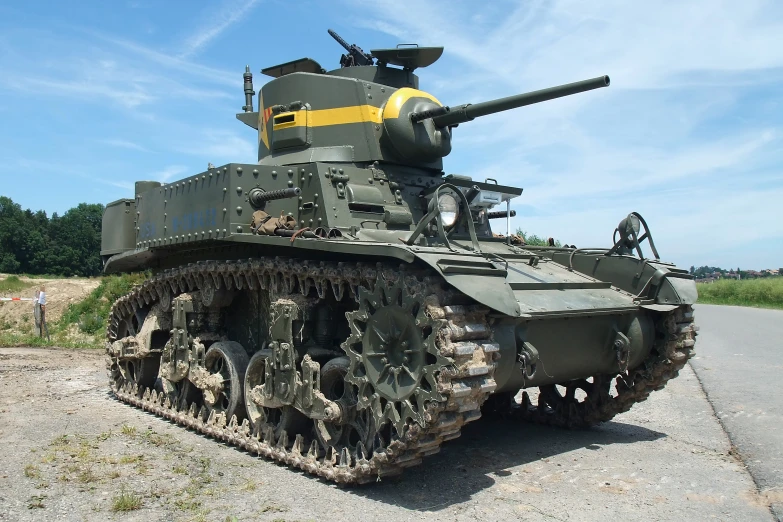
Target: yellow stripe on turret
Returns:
[344, 115]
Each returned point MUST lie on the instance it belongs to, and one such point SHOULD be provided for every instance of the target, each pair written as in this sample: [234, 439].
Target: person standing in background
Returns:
[37, 312]
[42, 304]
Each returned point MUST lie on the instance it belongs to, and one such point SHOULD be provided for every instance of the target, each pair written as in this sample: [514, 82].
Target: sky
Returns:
[95, 95]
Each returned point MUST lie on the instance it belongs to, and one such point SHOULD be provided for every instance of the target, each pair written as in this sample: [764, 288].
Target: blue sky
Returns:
[95, 95]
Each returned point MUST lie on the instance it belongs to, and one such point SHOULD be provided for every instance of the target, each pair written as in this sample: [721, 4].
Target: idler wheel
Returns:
[227, 361]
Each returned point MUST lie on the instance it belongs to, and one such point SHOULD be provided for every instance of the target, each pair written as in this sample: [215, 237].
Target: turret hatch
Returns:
[307, 65]
[408, 58]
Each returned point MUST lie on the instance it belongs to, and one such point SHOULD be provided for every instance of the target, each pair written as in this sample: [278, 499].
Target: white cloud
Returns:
[229, 13]
[220, 147]
[128, 96]
[59, 169]
[170, 62]
[125, 79]
[124, 144]
[645, 46]
[662, 139]
[169, 173]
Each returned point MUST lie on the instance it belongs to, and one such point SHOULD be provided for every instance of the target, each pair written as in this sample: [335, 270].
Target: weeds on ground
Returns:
[126, 501]
[187, 485]
[760, 293]
[12, 284]
[271, 507]
[91, 313]
[36, 502]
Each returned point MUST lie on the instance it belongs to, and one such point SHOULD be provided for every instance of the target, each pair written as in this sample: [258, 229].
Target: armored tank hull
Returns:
[356, 369]
[360, 330]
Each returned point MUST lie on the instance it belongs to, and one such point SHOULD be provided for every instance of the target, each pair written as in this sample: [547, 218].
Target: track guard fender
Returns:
[475, 276]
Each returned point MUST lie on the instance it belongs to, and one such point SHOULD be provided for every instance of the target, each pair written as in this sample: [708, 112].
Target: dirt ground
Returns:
[69, 451]
[18, 315]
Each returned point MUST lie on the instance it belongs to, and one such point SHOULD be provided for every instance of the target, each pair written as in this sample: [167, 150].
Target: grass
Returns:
[12, 284]
[87, 318]
[760, 293]
[36, 502]
[126, 501]
[123, 461]
[91, 313]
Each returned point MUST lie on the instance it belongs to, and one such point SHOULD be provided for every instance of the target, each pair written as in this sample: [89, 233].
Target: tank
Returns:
[344, 306]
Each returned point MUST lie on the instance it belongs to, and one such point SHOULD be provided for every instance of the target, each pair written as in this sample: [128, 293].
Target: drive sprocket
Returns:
[394, 358]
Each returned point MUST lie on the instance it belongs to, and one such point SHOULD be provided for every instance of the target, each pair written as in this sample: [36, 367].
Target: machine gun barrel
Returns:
[340, 40]
[355, 56]
[501, 214]
[462, 113]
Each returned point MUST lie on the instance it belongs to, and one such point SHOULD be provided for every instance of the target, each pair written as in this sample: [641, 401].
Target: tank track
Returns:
[676, 336]
[464, 385]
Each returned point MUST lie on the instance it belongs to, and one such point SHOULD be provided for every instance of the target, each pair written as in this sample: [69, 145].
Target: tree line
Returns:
[33, 243]
[712, 271]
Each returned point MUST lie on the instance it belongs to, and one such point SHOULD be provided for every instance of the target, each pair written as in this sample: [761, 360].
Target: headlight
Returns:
[629, 225]
[448, 206]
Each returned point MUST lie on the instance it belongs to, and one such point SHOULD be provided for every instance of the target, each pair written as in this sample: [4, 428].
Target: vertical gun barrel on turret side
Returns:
[450, 116]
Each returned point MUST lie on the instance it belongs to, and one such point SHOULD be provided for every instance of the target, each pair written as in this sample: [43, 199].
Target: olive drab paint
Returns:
[354, 156]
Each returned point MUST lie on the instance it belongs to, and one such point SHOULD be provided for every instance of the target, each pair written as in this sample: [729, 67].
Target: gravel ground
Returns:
[68, 451]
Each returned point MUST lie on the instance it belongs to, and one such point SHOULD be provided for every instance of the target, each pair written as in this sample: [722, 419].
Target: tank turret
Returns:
[368, 110]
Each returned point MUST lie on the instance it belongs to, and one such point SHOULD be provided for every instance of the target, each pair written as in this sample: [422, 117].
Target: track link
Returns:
[465, 384]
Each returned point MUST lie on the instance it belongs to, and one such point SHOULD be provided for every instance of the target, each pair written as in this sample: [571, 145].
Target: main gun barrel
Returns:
[454, 115]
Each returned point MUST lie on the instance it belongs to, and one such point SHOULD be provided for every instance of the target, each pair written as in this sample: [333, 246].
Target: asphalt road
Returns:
[739, 361]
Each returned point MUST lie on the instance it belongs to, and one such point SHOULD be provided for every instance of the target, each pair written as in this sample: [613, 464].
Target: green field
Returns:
[761, 293]
[13, 284]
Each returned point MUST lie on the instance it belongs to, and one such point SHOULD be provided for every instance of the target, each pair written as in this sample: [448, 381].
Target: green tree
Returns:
[32, 243]
[535, 240]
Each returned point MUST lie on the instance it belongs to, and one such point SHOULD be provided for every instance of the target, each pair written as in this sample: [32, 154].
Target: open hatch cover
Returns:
[307, 65]
[408, 57]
